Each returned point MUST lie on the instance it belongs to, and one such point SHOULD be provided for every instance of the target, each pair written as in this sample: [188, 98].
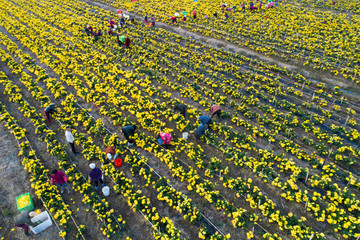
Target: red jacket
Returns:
[214, 108]
[58, 178]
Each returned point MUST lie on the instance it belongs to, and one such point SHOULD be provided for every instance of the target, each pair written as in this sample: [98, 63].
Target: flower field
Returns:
[283, 163]
[292, 32]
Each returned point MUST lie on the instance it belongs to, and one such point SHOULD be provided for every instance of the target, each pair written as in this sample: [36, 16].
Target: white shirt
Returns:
[69, 136]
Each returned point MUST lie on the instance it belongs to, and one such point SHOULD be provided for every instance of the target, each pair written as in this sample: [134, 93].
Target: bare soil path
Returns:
[11, 168]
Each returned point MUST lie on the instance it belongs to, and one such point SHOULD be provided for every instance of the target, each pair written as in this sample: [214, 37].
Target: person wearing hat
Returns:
[215, 110]
[164, 139]
[110, 153]
[95, 176]
[70, 139]
[129, 131]
[121, 39]
[23, 220]
[60, 179]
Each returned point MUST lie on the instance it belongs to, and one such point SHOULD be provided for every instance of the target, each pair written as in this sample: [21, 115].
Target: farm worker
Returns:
[95, 176]
[111, 32]
[87, 30]
[23, 220]
[146, 19]
[184, 18]
[49, 111]
[164, 139]
[121, 39]
[181, 108]
[153, 21]
[260, 4]
[95, 35]
[129, 131]
[252, 8]
[215, 14]
[243, 6]
[173, 20]
[223, 7]
[215, 110]
[90, 28]
[200, 131]
[226, 16]
[194, 14]
[70, 139]
[122, 22]
[112, 23]
[127, 42]
[60, 179]
[205, 120]
[110, 153]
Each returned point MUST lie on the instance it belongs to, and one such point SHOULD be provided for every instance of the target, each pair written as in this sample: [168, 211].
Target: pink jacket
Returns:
[58, 178]
[166, 137]
[214, 108]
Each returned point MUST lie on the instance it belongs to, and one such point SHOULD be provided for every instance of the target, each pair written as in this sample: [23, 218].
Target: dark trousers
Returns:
[47, 115]
[218, 113]
[183, 113]
[125, 134]
[73, 147]
[97, 182]
[25, 227]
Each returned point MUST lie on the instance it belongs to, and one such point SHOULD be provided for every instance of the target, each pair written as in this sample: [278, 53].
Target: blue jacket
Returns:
[50, 108]
[205, 120]
[200, 131]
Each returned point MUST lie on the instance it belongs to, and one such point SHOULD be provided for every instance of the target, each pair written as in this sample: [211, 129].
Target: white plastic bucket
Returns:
[185, 135]
[45, 222]
[106, 191]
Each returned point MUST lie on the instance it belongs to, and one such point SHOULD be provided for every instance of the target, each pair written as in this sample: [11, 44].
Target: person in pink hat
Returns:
[164, 139]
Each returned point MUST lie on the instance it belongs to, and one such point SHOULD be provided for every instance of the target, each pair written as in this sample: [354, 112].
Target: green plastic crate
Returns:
[29, 207]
